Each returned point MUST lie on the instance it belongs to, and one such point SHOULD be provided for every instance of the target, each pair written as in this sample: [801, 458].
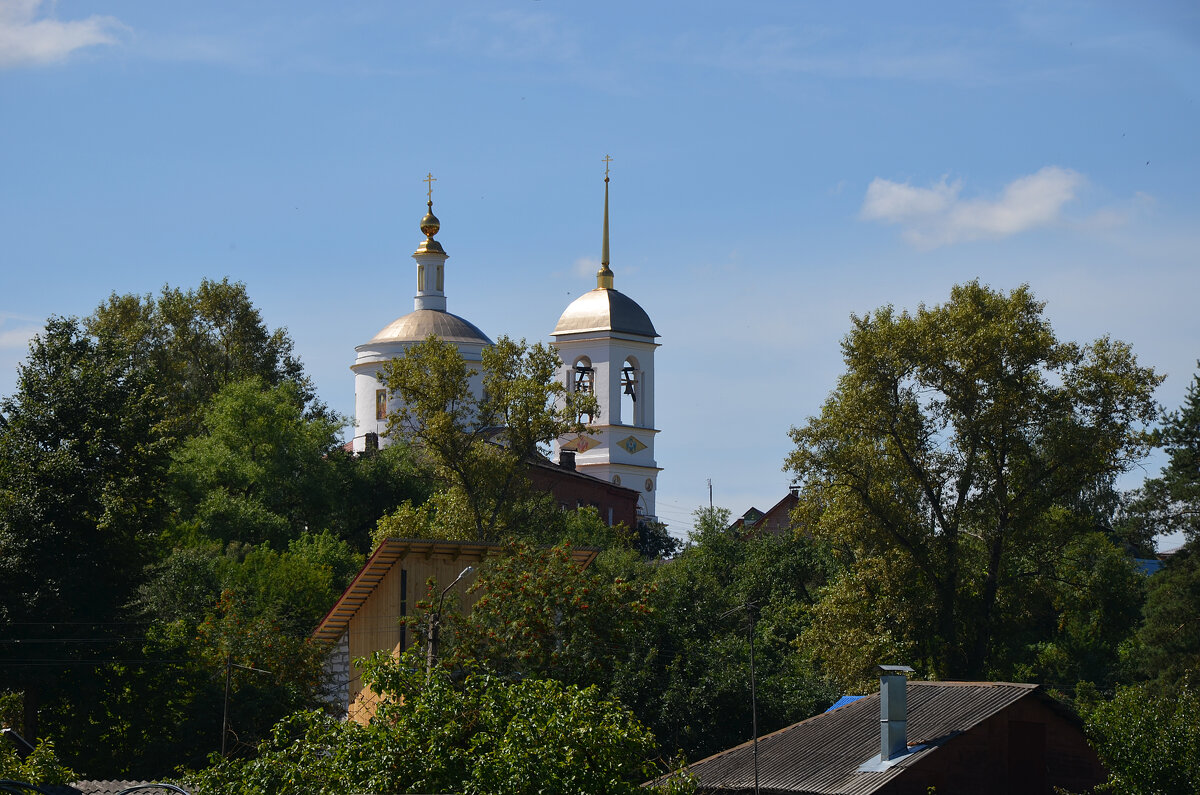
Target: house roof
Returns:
[392, 550]
[824, 753]
[97, 787]
[539, 461]
[776, 519]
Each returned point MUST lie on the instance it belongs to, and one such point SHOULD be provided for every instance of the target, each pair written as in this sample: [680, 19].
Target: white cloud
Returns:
[25, 40]
[586, 266]
[938, 216]
[18, 338]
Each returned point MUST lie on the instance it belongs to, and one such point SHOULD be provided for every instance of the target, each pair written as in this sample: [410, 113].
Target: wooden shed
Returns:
[367, 617]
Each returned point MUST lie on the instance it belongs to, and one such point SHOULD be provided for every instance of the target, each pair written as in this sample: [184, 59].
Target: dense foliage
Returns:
[172, 499]
[477, 733]
[948, 469]
[1149, 743]
[478, 443]
[175, 505]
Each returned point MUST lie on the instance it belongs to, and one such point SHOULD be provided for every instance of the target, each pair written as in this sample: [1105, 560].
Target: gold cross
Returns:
[430, 179]
[607, 159]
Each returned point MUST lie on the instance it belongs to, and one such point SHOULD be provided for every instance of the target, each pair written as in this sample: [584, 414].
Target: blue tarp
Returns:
[843, 701]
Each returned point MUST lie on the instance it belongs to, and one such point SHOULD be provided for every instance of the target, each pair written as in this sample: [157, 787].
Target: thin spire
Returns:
[604, 276]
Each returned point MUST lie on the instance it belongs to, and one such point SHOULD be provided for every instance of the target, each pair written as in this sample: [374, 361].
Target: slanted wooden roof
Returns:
[824, 753]
[392, 550]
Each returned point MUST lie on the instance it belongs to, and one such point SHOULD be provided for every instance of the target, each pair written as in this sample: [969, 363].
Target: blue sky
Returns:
[777, 166]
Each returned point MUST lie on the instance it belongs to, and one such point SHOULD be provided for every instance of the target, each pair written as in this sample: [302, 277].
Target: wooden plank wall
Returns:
[375, 626]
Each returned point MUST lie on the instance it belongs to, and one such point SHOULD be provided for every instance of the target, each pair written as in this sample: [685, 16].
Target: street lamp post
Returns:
[435, 621]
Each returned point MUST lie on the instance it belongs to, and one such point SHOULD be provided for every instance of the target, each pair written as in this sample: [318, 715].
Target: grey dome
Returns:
[417, 325]
[605, 310]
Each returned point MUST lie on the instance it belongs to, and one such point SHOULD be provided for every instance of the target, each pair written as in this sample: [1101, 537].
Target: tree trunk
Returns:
[976, 664]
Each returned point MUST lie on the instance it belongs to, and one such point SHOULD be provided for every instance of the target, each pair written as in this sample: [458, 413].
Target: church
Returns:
[606, 342]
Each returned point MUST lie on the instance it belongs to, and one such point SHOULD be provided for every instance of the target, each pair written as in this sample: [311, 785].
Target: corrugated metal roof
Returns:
[822, 755]
[97, 787]
[393, 549]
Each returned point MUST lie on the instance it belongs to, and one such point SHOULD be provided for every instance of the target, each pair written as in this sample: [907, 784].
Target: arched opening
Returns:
[631, 390]
[582, 379]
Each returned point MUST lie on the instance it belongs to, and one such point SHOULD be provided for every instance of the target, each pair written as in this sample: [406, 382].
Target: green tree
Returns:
[939, 460]
[1168, 650]
[1089, 606]
[42, 766]
[1170, 503]
[478, 444]
[1149, 743]
[82, 454]
[685, 668]
[482, 734]
[251, 605]
[258, 470]
[370, 486]
[541, 616]
[195, 342]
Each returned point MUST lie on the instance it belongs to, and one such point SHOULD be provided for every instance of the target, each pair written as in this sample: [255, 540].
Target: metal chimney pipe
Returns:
[893, 711]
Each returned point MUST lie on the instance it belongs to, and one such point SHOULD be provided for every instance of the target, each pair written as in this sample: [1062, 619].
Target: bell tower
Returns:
[607, 343]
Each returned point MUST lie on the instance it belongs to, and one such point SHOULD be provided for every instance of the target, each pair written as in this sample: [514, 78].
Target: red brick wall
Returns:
[573, 489]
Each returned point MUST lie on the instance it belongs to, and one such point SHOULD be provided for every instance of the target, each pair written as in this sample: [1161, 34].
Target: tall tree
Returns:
[479, 441]
[541, 616]
[1169, 640]
[684, 669]
[257, 470]
[82, 454]
[940, 460]
[195, 342]
[1170, 503]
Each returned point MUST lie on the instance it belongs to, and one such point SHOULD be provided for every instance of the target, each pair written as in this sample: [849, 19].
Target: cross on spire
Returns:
[429, 180]
[607, 159]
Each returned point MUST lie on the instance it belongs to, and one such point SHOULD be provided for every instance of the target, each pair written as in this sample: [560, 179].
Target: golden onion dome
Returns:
[430, 224]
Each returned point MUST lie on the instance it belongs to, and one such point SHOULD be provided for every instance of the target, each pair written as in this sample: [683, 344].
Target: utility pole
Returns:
[751, 609]
[229, 666]
[710, 505]
[225, 712]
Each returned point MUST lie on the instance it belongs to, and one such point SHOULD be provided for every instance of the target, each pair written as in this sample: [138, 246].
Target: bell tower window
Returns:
[630, 389]
[583, 380]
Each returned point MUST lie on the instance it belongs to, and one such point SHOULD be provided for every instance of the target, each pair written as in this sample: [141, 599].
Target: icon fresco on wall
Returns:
[581, 444]
[632, 444]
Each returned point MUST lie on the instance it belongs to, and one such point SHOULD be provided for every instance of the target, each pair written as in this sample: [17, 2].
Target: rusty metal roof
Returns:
[822, 755]
[393, 549]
